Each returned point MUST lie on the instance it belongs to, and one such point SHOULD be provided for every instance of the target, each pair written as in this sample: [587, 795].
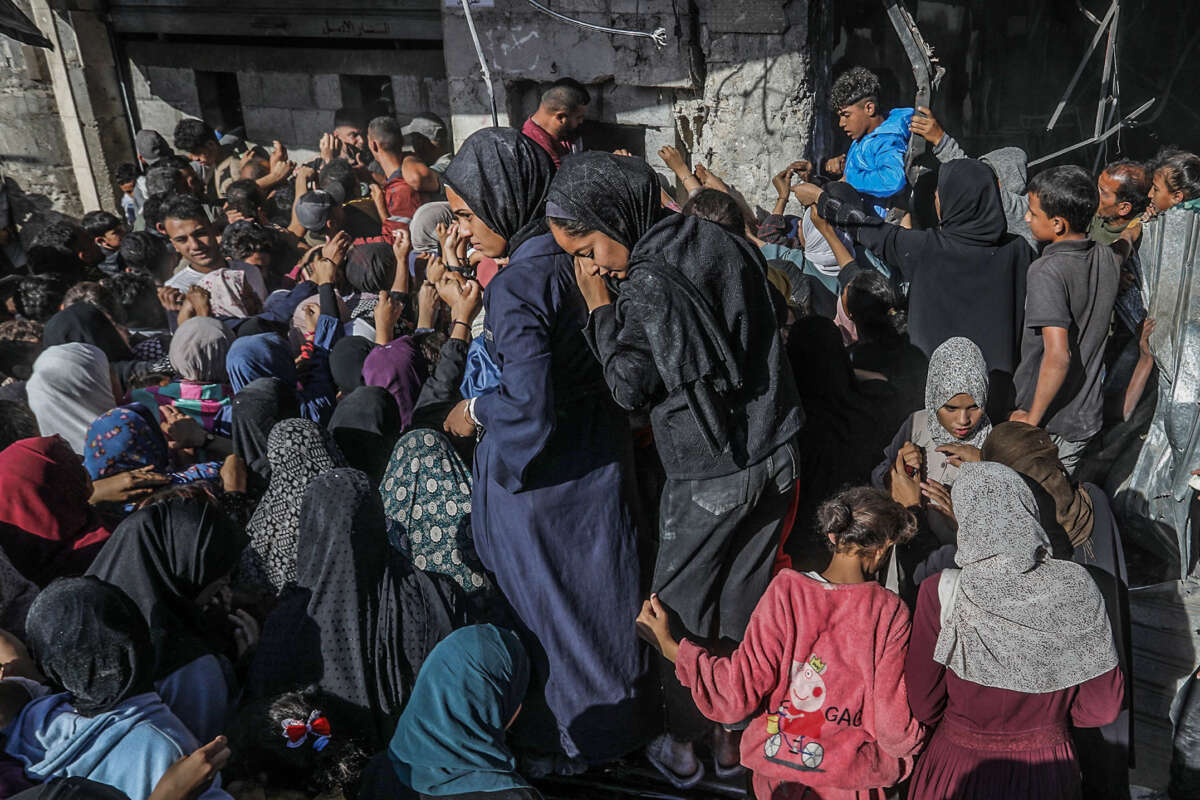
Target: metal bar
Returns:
[1092, 140]
[926, 77]
[1090, 16]
[1079, 70]
[121, 63]
[487, 74]
[1106, 75]
[1102, 150]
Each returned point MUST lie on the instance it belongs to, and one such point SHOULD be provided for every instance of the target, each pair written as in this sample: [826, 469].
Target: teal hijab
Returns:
[450, 738]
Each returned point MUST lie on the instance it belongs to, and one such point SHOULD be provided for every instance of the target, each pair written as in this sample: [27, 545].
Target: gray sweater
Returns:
[1009, 164]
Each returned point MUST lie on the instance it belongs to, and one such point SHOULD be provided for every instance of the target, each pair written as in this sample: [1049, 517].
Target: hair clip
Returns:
[297, 732]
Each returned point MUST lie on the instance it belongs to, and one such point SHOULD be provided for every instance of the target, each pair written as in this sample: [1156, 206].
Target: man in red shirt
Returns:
[556, 122]
[407, 176]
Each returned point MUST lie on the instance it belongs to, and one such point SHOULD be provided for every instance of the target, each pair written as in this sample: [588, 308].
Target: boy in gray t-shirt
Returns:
[1069, 300]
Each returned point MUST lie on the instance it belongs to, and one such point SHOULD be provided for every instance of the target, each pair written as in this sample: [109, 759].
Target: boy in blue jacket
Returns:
[874, 164]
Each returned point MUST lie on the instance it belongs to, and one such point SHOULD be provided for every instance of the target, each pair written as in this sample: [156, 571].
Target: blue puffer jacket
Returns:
[875, 163]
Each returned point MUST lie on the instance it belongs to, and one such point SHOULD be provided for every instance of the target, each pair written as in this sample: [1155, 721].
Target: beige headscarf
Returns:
[1029, 451]
[198, 350]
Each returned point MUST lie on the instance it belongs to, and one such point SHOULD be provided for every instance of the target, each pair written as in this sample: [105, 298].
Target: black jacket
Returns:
[692, 337]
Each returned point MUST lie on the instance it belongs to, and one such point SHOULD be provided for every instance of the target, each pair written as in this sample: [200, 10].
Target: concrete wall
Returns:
[163, 96]
[292, 106]
[736, 86]
[34, 161]
[62, 125]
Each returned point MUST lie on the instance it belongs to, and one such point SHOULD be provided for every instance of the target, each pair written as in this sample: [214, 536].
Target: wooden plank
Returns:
[304, 23]
[267, 58]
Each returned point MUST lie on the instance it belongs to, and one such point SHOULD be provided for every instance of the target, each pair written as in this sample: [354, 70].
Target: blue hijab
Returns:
[450, 738]
[128, 438]
[265, 355]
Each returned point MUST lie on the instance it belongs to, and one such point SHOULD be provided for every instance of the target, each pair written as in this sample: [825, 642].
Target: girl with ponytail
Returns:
[824, 656]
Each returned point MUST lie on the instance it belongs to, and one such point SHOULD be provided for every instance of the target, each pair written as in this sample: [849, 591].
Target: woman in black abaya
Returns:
[358, 621]
[966, 277]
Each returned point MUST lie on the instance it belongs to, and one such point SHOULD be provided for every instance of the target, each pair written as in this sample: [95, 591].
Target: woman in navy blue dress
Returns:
[551, 514]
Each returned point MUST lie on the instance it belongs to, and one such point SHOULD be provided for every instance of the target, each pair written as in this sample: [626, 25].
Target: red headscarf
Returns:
[47, 527]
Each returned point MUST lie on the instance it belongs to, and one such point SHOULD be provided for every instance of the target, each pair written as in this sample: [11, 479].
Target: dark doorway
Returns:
[220, 101]
[371, 93]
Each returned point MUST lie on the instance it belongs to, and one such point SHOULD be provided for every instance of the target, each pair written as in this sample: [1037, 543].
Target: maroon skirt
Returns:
[965, 764]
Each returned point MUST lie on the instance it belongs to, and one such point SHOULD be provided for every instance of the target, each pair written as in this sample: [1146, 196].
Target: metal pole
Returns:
[1112, 10]
[1106, 75]
[487, 75]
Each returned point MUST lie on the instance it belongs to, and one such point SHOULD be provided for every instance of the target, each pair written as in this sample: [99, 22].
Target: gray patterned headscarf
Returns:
[956, 367]
[1020, 620]
[299, 450]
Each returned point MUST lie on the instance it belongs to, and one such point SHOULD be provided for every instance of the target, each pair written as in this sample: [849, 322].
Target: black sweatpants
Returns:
[718, 538]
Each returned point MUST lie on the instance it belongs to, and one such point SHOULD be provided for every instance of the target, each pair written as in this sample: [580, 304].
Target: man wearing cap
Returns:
[341, 179]
[555, 124]
[322, 216]
[426, 137]
[151, 148]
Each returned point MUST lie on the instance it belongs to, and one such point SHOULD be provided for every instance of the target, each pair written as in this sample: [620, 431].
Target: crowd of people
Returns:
[415, 473]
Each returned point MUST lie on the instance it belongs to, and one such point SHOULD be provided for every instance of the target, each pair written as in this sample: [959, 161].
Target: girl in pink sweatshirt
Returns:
[821, 669]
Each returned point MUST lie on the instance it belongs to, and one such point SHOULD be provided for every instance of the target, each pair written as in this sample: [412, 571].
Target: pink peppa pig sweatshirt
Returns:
[826, 661]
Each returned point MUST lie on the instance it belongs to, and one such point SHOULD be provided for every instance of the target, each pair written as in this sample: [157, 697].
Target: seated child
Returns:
[299, 742]
[108, 724]
[825, 651]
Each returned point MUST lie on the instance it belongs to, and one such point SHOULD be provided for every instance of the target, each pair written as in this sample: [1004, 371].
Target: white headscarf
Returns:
[957, 367]
[1021, 620]
[71, 386]
[817, 250]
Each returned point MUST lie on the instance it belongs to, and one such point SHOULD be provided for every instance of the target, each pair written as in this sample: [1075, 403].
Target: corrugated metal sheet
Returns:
[1166, 650]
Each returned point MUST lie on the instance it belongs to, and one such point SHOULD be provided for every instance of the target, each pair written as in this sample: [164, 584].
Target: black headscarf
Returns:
[970, 201]
[73, 788]
[366, 425]
[163, 556]
[503, 176]
[839, 444]
[358, 621]
[372, 267]
[256, 409]
[83, 322]
[966, 277]
[346, 361]
[695, 289]
[16, 594]
[616, 195]
[89, 638]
